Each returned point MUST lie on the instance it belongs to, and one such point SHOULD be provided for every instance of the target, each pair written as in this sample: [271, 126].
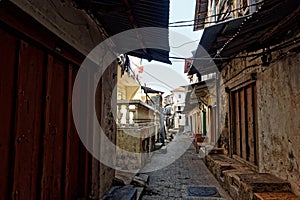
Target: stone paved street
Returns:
[171, 182]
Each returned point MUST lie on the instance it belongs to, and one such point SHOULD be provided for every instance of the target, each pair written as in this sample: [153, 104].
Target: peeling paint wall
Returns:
[279, 121]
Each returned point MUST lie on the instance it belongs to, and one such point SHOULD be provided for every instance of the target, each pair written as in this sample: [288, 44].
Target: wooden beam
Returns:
[285, 20]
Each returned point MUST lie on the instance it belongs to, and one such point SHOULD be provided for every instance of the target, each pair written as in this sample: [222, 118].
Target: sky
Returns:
[182, 40]
[182, 10]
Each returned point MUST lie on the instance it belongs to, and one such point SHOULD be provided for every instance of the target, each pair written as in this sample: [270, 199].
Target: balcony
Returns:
[138, 125]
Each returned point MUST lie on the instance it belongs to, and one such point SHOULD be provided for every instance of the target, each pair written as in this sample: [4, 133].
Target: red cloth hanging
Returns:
[187, 65]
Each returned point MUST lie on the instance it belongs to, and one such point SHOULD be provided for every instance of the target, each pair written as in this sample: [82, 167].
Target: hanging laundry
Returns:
[140, 69]
[127, 64]
[191, 77]
[187, 65]
[121, 62]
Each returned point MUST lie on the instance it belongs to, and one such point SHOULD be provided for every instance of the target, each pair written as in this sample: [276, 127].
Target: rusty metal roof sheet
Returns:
[213, 38]
[117, 16]
[272, 23]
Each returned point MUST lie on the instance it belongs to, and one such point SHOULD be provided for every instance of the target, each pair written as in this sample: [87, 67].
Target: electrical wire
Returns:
[207, 17]
[286, 44]
[202, 58]
[184, 44]
[164, 83]
[248, 6]
[150, 76]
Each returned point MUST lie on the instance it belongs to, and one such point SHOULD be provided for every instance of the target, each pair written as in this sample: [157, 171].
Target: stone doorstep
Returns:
[232, 180]
[264, 182]
[220, 163]
[144, 177]
[275, 196]
[248, 183]
[240, 181]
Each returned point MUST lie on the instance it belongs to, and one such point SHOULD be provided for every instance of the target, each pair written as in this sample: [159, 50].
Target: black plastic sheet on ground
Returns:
[203, 191]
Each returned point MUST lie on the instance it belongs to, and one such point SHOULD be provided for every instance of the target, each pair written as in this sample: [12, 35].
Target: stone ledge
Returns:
[275, 196]
[261, 182]
[232, 180]
[218, 164]
[240, 180]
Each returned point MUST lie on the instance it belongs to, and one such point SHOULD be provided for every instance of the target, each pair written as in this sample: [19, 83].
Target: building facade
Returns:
[257, 87]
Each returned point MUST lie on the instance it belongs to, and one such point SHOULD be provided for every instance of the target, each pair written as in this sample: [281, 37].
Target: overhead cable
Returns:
[207, 17]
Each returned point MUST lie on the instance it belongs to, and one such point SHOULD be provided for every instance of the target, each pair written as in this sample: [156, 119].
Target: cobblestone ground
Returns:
[171, 182]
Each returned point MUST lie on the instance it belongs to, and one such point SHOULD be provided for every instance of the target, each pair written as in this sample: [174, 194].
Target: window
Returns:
[244, 125]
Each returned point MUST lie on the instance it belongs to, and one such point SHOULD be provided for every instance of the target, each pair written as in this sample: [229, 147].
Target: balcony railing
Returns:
[138, 125]
[136, 113]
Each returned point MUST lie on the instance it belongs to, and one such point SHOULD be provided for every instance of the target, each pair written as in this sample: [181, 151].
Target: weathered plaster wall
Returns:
[108, 111]
[232, 74]
[279, 119]
[69, 23]
[278, 101]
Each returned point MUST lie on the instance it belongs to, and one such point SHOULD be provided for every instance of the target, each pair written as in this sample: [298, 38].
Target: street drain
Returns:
[203, 192]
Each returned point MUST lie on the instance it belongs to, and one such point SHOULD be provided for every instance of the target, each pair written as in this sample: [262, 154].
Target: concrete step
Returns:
[275, 196]
[138, 181]
[144, 177]
[127, 192]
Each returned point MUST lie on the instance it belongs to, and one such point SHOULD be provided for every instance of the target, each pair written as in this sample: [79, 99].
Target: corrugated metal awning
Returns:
[117, 16]
[213, 38]
[274, 22]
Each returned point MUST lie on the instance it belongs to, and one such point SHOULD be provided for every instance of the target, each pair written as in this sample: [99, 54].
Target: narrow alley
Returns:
[183, 178]
[149, 99]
